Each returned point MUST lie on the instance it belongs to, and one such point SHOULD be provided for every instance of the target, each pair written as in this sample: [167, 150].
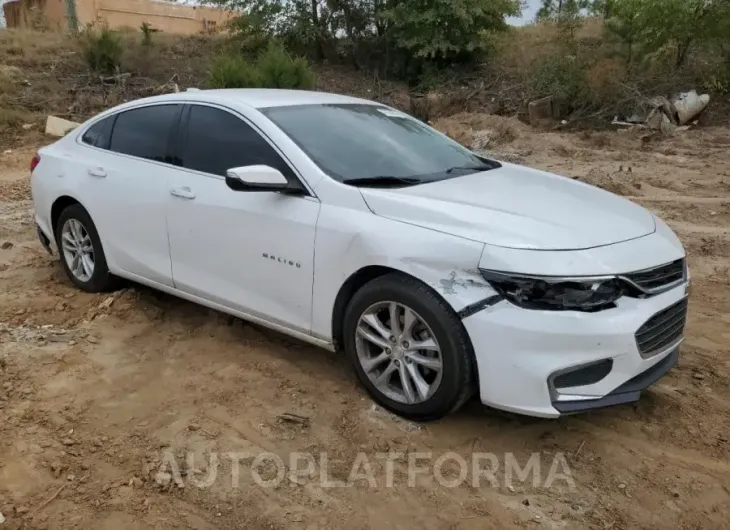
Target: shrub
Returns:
[274, 68]
[560, 76]
[146, 34]
[102, 48]
[230, 71]
[278, 69]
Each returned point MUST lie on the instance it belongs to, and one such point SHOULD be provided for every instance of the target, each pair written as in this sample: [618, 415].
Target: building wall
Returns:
[170, 18]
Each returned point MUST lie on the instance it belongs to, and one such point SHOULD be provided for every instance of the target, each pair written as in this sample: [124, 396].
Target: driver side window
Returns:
[217, 141]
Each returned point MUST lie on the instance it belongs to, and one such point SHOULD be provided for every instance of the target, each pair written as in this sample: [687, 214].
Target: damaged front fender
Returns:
[448, 264]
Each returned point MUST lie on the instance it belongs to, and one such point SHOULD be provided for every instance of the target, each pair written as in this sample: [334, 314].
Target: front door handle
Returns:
[98, 172]
[183, 192]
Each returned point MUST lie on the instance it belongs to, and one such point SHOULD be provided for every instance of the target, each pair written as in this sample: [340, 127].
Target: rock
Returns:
[2, 518]
[194, 427]
[163, 479]
[540, 110]
[136, 482]
[71, 478]
[56, 468]
[6, 245]
[67, 441]
[107, 303]
[59, 127]
[526, 502]
[28, 126]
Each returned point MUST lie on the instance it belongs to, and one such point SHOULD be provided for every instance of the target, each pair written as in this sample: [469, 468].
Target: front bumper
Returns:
[521, 354]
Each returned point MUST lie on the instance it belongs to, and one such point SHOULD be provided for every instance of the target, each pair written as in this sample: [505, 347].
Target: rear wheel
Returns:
[410, 350]
[82, 255]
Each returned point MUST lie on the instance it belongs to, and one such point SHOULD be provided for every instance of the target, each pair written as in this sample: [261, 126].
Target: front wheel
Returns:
[409, 348]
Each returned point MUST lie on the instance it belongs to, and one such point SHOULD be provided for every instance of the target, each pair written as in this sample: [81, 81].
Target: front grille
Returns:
[662, 330]
[657, 278]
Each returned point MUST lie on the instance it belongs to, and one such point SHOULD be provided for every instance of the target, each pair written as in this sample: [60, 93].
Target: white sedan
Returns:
[352, 226]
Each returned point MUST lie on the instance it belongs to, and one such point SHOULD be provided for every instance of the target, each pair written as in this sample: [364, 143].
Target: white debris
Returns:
[59, 127]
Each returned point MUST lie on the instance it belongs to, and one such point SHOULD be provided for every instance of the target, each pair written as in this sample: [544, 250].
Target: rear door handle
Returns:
[97, 172]
[183, 193]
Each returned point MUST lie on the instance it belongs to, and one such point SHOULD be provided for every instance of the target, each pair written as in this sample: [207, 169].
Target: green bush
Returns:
[278, 69]
[102, 48]
[230, 71]
[563, 78]
[274, 68]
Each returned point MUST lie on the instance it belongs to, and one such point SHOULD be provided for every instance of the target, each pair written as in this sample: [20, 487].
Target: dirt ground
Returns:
[98, 391]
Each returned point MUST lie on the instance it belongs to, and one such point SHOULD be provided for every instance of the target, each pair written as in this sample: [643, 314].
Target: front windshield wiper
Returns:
[383, 180]
[482, 167]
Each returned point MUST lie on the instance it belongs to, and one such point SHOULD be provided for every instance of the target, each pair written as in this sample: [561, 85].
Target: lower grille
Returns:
[662, 330]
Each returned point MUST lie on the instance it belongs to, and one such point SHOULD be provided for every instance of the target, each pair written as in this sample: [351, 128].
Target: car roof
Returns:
[260, 97]
[274, 97]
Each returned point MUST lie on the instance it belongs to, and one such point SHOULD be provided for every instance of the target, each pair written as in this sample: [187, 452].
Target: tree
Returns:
[560, 9]
[416, 31]
[683, 24]
[679, 25]
[626, 22]
[446, 29]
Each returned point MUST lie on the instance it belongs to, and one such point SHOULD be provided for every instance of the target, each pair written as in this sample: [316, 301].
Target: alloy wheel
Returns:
[78, 250]
[398, 352]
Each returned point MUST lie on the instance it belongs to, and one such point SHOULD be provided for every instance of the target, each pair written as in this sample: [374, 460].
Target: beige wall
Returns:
[169, 18]
[37, 14]
[165, 17]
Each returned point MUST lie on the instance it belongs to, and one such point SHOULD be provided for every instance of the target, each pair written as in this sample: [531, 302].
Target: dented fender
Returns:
[446, 263]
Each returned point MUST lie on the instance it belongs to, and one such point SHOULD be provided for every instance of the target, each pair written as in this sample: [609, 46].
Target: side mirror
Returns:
[256, 178]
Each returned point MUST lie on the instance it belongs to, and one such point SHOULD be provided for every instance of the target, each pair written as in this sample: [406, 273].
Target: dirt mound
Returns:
[620, 183]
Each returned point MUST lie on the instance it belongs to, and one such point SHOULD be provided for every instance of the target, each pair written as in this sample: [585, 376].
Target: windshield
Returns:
[365, 144]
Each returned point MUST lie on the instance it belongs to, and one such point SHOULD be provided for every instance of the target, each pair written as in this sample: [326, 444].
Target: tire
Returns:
[101, 280]
[457, 374]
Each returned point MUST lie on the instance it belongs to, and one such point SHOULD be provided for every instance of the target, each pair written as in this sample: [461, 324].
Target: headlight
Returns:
[557, 294]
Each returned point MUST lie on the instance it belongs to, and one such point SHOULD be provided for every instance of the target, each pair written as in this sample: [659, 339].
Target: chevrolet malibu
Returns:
[440, 272]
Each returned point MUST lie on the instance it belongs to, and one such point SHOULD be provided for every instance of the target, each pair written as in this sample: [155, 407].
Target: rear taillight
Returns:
[34, 163]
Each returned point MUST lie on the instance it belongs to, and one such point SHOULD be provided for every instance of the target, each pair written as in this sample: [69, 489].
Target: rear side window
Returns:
[218, 141]
[145, 132]
[99, 134]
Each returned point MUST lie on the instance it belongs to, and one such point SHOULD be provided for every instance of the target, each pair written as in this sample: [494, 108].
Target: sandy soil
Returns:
[96, 391]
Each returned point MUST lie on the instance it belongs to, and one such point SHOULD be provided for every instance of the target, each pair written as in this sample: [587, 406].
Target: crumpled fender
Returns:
[446, 263]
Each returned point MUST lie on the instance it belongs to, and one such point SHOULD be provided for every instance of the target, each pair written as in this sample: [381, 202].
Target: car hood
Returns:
[516, 207]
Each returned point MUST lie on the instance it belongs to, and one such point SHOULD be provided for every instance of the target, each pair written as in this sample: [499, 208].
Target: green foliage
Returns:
[443, 30]
[278, 69]
[561, 9]
[102, 48]
[561, 76]
[399, 36]
[146, 34]
[626, 22]
[274, 68]
[676, 25]
[229, 71]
